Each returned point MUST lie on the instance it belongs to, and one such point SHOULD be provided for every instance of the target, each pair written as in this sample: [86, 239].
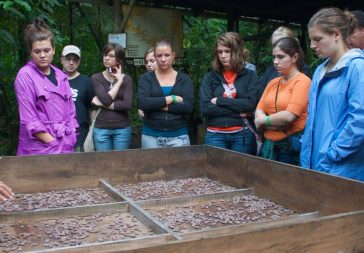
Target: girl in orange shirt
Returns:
[282, 110]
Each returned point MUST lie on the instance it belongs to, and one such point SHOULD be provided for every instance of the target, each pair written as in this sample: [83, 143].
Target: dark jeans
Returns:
[287, 156]
[290, 152]
[81, 137]
[243, 141]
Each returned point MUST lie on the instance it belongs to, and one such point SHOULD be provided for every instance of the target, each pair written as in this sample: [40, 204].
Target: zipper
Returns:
[165, 129]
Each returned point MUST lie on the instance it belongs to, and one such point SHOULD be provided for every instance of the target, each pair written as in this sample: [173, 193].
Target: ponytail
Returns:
[351, 21]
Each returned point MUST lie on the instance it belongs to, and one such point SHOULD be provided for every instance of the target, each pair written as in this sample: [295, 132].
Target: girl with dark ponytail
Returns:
[46, 109]
[333, 140]
[282, 110]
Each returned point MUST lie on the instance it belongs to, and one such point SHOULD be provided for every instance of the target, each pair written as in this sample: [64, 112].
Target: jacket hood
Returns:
[346, 59]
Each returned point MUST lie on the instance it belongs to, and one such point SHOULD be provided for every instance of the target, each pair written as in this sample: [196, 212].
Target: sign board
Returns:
[147, 25]
[118, 38]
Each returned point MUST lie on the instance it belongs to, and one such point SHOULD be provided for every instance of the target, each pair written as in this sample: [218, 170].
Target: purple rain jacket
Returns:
[44, 107]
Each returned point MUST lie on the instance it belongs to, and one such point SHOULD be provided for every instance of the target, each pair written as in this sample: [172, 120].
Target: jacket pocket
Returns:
[39, 147]
[69, 141]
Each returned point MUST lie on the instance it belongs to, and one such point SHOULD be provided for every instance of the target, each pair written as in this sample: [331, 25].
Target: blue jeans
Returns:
[243, 141]
[164, 142]
[112, 139]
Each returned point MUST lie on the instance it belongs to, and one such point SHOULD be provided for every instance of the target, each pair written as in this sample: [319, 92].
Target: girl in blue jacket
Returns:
[333, 140]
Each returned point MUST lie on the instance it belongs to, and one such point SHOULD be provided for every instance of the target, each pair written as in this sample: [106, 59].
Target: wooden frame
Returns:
[332, 208]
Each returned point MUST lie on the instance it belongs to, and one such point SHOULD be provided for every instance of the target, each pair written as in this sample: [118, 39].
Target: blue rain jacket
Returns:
[333, 140]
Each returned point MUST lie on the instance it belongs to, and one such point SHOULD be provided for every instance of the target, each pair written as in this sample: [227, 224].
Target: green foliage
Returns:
[15, 8]
[200, 34]
[199, 38]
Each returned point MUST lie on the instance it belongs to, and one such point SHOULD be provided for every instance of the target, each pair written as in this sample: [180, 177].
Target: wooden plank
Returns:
[111, 191]
[56, 172]
[63, 212]
[118, 16]
[293, 187]
[127, 15]
[111, 246]
[337, 233]
[233, 229]
[194, 199]
[143, 216]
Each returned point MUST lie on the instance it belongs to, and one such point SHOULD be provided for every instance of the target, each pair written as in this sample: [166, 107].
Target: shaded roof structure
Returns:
[258, 11]
[283, 10]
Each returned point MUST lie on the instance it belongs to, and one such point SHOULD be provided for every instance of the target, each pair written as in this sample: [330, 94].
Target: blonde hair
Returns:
[282, 32]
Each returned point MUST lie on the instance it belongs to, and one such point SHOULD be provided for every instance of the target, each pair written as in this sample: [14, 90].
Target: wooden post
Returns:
[71, 22]
[118, 13]
[303, 38]
[128, 13]
[233, 22]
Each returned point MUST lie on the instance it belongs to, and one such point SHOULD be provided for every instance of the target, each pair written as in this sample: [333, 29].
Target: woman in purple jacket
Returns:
[47, 113]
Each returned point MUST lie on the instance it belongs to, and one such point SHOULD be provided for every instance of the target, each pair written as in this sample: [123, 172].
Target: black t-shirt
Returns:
[52, 77]
[82, 94]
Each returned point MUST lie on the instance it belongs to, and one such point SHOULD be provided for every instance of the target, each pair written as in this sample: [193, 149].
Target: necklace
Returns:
[108, 78]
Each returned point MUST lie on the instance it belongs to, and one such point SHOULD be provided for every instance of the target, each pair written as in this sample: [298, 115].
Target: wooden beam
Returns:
[118, 14]
[71, 21]
[89, 1]
[128, 13]
[143, 216]
[233, 22]
[194, 199]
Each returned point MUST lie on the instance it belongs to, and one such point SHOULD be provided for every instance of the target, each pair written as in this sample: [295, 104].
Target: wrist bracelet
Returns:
[174, 99]
[267, 121]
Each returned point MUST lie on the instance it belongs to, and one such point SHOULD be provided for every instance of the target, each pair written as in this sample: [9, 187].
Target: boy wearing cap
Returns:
[82, 91]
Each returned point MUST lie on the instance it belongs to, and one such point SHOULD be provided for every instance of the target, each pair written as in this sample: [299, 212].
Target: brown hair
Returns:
[119, 52]
[164, 43]
[150, 50]
[359, 15]
[330, 20]
[37, 31]
[291, 47]
[233, 41]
